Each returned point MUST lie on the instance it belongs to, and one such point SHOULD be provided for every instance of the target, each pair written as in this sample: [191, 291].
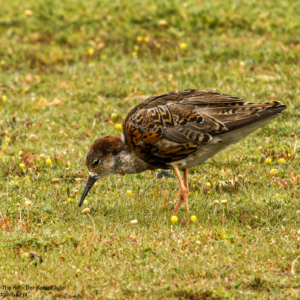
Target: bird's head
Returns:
[101, 160]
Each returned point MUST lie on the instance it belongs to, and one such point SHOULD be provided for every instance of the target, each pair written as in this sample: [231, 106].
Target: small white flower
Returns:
[28, 203]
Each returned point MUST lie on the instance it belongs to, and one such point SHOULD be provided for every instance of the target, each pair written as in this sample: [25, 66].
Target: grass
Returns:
[66, 66]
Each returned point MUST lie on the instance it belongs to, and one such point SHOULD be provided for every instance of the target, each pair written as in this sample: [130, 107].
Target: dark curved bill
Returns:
[89, 184]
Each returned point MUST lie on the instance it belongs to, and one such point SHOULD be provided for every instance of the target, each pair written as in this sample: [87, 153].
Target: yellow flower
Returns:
[146, 39]
[114, 117]
[139, 39]
[274, 172]
[20, 153]
[26, 254]
[48, 161]
[268, 161]
[162, 23]
[43, 101]
[91, 51]
[174, 219]
[28, 13]
[134, 53]
[85, 202]
[68, 164]
[86, 211]
[128, 192]
[4, 98]
[275, 196]
[70, 200]
[281, 160]
[22, 166]
[183, 46]
[118, 127]
[208, 184]
[193, 218]
[133, 222]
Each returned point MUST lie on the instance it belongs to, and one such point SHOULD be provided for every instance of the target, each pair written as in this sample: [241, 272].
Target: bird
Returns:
[177, 130]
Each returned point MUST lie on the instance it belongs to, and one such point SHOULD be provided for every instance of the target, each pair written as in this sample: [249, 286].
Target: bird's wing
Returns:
[169, 127]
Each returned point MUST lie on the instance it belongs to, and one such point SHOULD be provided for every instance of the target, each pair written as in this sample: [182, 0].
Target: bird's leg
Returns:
[183, 197]
[185, 178]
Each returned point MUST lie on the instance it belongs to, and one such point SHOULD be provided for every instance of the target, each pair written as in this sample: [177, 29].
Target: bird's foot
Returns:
[164, 173]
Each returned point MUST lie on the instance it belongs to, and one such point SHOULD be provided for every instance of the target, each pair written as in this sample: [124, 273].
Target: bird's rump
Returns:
[169, 127]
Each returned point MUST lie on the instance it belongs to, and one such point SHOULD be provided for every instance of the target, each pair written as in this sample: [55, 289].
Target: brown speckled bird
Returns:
[177, 130]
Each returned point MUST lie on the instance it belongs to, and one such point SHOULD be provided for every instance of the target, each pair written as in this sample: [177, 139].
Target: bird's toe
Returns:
[164, 173]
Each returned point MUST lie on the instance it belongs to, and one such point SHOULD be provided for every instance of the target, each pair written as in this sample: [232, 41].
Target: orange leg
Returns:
[186, 177]
[184, 190]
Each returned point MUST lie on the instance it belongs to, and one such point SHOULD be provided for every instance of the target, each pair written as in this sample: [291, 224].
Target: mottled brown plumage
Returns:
[169, 127]
[177, 130]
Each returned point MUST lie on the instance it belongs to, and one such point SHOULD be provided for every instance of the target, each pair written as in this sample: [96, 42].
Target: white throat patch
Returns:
[93, 174]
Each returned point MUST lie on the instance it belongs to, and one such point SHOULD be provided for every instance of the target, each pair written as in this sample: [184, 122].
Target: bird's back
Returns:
[188, 127]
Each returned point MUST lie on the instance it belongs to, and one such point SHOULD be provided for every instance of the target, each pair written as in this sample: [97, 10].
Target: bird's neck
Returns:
[129, 163]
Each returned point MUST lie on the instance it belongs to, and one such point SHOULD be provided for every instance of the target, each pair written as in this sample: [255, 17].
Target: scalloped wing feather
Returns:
[170, 127]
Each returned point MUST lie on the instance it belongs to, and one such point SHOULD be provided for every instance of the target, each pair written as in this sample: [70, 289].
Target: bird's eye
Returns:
[96, 162]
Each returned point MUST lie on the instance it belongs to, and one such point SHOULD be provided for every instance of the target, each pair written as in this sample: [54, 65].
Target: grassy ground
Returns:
[66, 66]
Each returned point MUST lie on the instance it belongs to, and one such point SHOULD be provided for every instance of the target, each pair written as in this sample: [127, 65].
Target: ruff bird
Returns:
[177, 130]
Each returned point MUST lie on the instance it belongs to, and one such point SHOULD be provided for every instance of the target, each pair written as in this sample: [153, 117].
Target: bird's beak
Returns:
[89, 184]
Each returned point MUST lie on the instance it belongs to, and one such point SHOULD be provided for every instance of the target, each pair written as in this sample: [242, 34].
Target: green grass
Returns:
[79, 55]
